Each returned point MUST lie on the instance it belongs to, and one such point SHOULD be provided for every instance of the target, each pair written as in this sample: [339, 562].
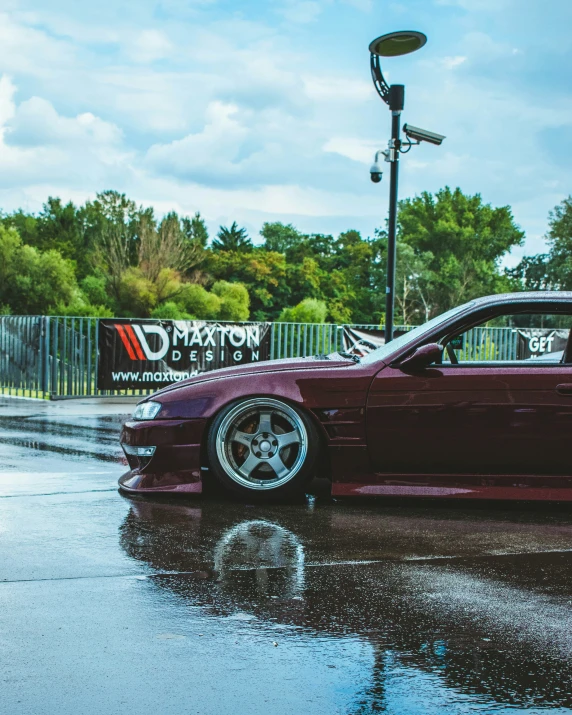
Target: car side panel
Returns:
[336, 397]
[471, 419]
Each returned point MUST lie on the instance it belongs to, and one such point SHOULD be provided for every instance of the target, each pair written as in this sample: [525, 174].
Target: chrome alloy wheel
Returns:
[262, 444]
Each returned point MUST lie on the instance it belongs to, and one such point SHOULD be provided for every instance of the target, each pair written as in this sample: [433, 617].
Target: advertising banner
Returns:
[361, 341]
[537, 342]
[154, 353]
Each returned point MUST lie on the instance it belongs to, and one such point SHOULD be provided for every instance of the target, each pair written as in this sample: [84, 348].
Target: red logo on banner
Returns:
[129, 340]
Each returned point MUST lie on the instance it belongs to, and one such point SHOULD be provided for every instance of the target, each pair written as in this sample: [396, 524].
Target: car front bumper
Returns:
[175, 465]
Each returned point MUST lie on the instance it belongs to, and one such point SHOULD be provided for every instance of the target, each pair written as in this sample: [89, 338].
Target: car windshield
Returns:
[382, 352]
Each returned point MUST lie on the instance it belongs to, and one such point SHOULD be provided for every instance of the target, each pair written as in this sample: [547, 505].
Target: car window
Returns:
[542, 338]
[413, 335]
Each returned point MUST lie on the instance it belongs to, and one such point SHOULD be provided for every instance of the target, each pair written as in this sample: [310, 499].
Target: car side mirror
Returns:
[422, 357]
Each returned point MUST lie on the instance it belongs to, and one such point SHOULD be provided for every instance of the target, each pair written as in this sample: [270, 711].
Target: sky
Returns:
[264, 110]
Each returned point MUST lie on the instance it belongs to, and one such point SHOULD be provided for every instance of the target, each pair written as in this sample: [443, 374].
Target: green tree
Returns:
[413, 284]
[414, 281]
[170, 311]
[280, 237]
[466, 240]
[128, 262]
[559, 239]
[344, 273]
[195, 230]
[551, 271]
[25, 224]
[197, 302]
[112, 223]
[308, 310]
[58, 228]
[79, 306]
[33, 281]
[137, 295]
[263, 273]
[358, 264]
[232, 239]
[234, 299]
[94, 288]
[165, 246]
[537, 273]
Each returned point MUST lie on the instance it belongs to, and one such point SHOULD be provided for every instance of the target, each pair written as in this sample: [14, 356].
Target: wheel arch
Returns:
[324, 469]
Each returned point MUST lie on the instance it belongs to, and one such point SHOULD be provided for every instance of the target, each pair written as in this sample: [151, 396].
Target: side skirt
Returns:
[353, 475]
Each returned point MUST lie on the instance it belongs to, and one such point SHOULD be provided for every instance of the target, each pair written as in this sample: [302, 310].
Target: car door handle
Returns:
[564, 389]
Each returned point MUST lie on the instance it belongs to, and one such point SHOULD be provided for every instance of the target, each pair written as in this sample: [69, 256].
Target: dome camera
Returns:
[376, 173]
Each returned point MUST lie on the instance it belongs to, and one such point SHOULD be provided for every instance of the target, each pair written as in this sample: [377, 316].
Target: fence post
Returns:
[95, 387]
[45, 352]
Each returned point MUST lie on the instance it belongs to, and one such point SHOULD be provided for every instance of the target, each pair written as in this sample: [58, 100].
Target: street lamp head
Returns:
[392, 45]
[397, 43]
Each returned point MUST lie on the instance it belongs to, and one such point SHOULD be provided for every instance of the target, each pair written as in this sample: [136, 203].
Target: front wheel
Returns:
[262, 447]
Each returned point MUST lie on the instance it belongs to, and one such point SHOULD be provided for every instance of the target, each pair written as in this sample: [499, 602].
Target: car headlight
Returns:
[147, 411]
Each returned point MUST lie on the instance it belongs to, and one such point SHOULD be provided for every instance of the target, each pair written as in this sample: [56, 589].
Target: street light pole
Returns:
[393, 44]
[396, 98]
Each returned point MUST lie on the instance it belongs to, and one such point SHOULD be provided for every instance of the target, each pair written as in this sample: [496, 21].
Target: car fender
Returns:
[336, 387]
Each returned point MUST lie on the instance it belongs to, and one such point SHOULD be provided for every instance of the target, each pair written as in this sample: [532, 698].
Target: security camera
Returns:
[375, 173]
[422, 135]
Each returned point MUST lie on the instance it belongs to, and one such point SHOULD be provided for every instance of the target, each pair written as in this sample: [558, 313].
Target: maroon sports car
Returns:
[433, 413]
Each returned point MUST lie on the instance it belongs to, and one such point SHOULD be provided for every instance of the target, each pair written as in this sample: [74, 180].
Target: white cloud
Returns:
[184, 8]
[363, 5]
[38, 144]
[258, 203]
[212, 150]
[7, 105]
[148, 46]
[301, 11]
[237, 113]
[340, 89]
[361, 150]
[450, 63]
[477, 5]
[37, 123]
[27, 49]
[44, 152]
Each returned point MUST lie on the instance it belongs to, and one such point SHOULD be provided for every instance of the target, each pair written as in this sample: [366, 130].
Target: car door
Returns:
[470, 418]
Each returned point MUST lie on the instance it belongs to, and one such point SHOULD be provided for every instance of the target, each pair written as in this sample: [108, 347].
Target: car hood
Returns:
[256, 368]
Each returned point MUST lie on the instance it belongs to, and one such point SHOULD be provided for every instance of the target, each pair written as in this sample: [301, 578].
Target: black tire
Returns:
[253, 454]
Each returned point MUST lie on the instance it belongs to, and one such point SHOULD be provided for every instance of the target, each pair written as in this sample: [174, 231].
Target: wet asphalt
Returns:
[110, 604]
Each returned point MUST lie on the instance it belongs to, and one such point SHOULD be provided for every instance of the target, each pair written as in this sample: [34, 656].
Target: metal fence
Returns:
[489, 344]
[44, 356]
[56, 357]
[22, 354]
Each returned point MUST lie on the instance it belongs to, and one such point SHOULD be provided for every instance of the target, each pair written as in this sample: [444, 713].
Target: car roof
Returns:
[538, 296]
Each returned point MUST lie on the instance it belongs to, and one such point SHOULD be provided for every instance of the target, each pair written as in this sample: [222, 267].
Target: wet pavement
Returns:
[110, 604]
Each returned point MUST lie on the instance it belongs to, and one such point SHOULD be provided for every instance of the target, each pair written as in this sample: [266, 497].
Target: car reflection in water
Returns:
[451, 599]
[256, 548]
